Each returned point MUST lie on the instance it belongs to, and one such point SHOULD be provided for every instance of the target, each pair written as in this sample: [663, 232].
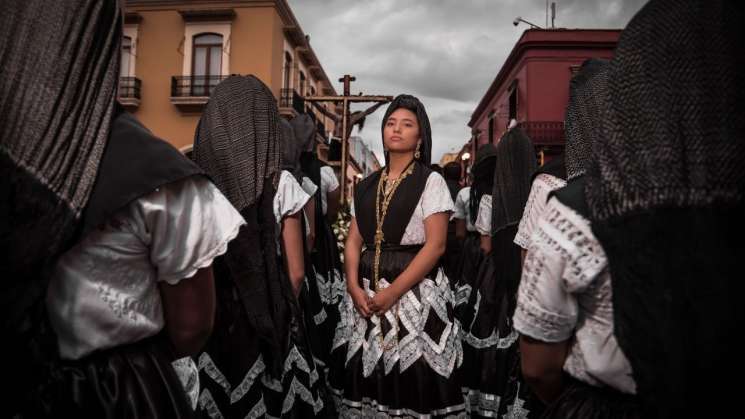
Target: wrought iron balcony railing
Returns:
[194, 86]
[129, 88]
[544, 132]
[291, 99]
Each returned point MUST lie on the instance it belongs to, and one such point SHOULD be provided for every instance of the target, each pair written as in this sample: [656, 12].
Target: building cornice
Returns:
[202, 8]
[542, 38]
[298, 39]
[132, 18]
[174, 4]
[207, 15]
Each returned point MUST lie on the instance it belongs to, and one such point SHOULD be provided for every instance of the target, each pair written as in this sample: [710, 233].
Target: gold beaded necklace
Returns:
[380, 214]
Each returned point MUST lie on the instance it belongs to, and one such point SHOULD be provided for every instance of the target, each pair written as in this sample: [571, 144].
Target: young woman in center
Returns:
[400, 340]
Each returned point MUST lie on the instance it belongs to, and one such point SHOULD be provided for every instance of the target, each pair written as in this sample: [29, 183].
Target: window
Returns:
[491, 127]
[513, 105]
[288, 71]
[126, 56]
[206, 64]
[301, 89]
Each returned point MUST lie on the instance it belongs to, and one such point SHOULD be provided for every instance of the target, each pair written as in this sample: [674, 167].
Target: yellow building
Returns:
[175, 51]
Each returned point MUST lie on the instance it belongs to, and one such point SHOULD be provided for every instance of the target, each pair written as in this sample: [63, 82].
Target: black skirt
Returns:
[326, 288]
[466, 272]
[451, 258]
[130, 381]
[237, 381]
[493, 384]
[415, 372]
[583, 401]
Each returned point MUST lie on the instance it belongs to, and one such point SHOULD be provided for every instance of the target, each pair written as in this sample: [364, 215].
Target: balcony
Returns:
[544, 133]
[291, 103]
[191, 93]
[129, 91]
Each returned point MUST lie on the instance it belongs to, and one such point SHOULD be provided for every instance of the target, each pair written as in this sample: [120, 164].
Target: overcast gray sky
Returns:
[446, 52]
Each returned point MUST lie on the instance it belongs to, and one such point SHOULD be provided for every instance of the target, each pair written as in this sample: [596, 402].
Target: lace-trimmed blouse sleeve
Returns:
[329, 183]
[289, 198]
[436, 196]
[309, 186]
[537, 200]
[461, 203]
[185, 225]
[560, 264]
[483, 218]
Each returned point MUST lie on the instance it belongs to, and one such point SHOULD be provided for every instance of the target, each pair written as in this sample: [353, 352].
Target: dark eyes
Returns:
[407, 125]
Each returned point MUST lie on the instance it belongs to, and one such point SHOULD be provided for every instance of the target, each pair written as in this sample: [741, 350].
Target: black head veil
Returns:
[425, 131]
[291, 148]
[514, 168]
[665, 193]
[482, 174]
[588, 95]
[238, 139]
[238, 144]
[305, 133]
[451, 173]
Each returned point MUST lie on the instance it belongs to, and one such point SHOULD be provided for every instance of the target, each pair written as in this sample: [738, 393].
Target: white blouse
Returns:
[565, 293]
[483, 218]
[288, 200]
[104, 291]
[463, 208]
[435, 199]
[542, 185]
[309, 186]
[329, 183]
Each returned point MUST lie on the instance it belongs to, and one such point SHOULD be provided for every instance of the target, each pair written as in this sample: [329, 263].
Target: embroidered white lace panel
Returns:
[463, 208]
[542, 185]
[104, 291]
[483, 218]
[565, 292]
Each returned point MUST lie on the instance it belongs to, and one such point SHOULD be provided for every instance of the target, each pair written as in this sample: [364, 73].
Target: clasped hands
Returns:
[381, 302]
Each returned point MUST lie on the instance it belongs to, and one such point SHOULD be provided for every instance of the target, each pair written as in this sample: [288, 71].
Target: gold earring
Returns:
[416, 153]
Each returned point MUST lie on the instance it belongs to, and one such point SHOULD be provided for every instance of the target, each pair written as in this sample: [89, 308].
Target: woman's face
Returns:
[401, 131]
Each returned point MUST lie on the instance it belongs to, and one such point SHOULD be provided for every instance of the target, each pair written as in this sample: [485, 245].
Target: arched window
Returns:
[206, 63]
[126, 56]
[288, 71]
[312, 91]
[301, 88]
[491, 130]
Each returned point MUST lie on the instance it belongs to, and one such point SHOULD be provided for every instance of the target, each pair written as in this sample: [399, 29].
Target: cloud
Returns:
[446, 52]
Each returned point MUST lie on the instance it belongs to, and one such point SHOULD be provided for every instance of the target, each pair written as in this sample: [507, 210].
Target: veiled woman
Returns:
[258, 361]
[472, 255]
[400, 339]
[664, 198]
[107, 232]
[490, 342]
[325, 283]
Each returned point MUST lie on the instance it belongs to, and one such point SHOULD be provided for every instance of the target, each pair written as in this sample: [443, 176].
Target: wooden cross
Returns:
[346, 120]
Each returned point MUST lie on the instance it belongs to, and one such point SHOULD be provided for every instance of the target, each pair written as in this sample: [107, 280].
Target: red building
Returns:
[533, 85]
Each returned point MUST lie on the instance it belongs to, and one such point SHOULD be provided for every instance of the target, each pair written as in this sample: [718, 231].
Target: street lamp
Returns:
[519, 19]
[464, 165]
